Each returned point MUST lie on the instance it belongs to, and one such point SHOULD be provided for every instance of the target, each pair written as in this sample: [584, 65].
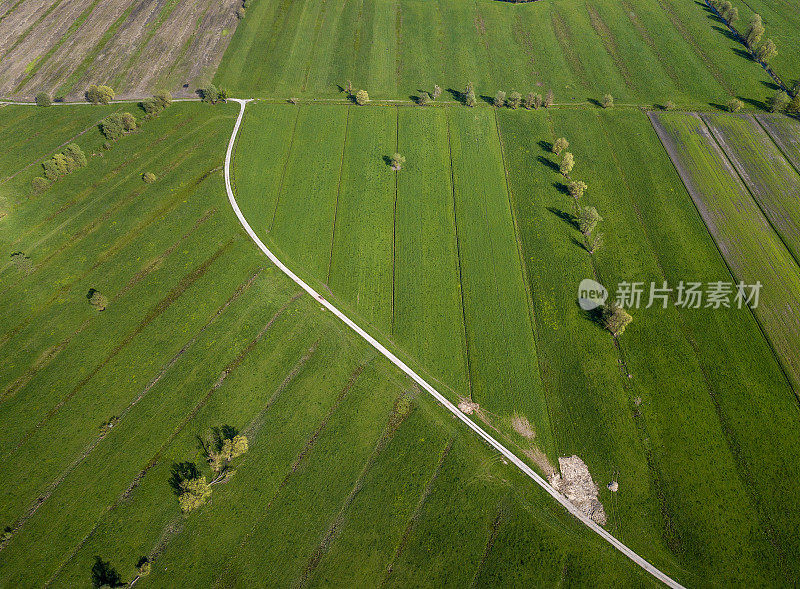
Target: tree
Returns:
[549, 99]
[163, 98]
[469, 95]
[588, 218]
[755, 30]
[532, 100]
[424, 99]
[40, 184]
[397, 162]
[209, 94]
[43, 99]
[128, 121]
[594, 242]
[614, 318]
[560, 145]
[607, 101]
[669, 105]
[97, 300]
[99, 94]
[567, 163]
[143, 567]
[514, 100]
[104, 574]
[362, 97]
[76, 155]
[112, 126]
[735, 105]
[576, 189]
[223, 94]
[794, 105]
[149, 177]
[194, 493]
[500, 99]
[437, 91]
[779, 102]
[767, 51]
[348, 88]
[221, 446]
[732, 16]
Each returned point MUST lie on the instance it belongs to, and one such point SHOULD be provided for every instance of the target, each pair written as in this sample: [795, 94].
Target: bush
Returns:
[607, 101]
[514, 100]
[56, 167]
[143, 567]
[397, 161]
[424, 99]
[533, 100]
[669, 105]
[560, 145]
[75, 153]
[149, 177]
[128, 121]
[437, 92]
[500, 99]
[43, 99]
[734, 105]
[112, 126]
[362, 97]
[240, 12]
[157, 103]
[97, 300]
[779, 102]
[767, 51]
[794, 105]
[614, 318]
[469, 96]
[99, 94]
[210, 94]
[549, 99]
[40, 184]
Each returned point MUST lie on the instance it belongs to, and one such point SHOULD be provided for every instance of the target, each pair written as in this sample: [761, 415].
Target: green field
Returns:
[348, 462]
[641, 52]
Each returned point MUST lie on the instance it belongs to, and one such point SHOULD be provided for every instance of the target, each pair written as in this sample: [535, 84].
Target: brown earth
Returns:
[158, 44]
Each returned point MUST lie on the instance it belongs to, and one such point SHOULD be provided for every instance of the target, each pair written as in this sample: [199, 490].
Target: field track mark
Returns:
[320, 20]
[27, 31]
[743, 471]
[644, 34]
[524, 270]
[510, 456]
[493, 531]
[401, 545]
[697, 200]
[283, 172]
[458, 260]
[338, 195]
[394, 215]
[46, 357]
[157, 456]
[155, 311]
[779, 143]
[738, 167]
[564, 37]
[607, 39]
[393, 423]
[307, 448]
[679, 25]
[50, 489]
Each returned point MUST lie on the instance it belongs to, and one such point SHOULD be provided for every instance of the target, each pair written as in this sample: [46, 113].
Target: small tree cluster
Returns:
[212, 94]
[117, 124]
[220, 446]
[424, 99]
[99, 94]
[734, 105]
[549, 99]
[97, 299]
[43, 99]
[59, 165]
[500, 99]
[567, 163]
[533, 101]
[614, 318]
[153, 106]
[362, 97]
[755, 30]
[149, 177]
[726, 10]
[780, 102]
[397, 162]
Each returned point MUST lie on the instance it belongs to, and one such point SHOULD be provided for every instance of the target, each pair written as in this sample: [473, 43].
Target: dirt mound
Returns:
[522, 426]
[576, 484]
[468, 407]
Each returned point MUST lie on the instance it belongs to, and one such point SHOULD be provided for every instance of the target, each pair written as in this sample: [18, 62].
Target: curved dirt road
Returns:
[422, 383]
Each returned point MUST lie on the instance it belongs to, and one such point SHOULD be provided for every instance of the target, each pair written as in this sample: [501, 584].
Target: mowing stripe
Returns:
[424, 384]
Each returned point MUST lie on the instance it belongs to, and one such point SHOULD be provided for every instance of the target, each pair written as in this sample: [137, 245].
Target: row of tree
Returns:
[60, 165]
[610, 315]
[754, 33]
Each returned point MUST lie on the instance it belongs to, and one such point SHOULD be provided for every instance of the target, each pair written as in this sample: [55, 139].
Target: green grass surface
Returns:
[348, 465]
[751, 247]
[640, 52]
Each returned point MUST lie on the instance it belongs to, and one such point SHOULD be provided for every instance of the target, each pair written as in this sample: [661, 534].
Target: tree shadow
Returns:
[91, 293]
[756, 103]
[718, 106]
[568, 218]
[457, 95]
[727, 33]
[595, 102]
[340, 87]
[487, 99]
[387, 160]
[771, 85]
[743, 54]
[592, 315]
[561, 187]
[579, 243]
[549, 163]
[546, 146]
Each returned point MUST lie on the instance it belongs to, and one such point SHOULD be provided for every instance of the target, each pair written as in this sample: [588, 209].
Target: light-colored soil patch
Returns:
[576, 484]
[468, 407]
[522, 426]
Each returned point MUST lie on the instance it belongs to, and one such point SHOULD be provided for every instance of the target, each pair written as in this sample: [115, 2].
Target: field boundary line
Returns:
[338, 194]
[283, 172]
[641, 562]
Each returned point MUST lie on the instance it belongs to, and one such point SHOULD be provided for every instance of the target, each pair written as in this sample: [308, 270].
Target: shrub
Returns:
[23, 263]
[128, 121]
[43, 99]
[469, 96]
[103, 574]
[576, 189]
[6, 535]
[97, 300]
[549, 99]
[107, 145]
[514, 100]
[209, 94]
[180, 472]
[614, 318]
[157, 103]
[149, 177]
[163, 98]
[99, 94]
[607, 101]
[594, 242]
[56, 167]
[75, 153]
[437, 92]
[397, 161]
[40, 184]
[567, 164]
[362, 97]
[424, 99]
[112, 126]
[560, 145]
[669, 105]
[734, 105]
[143, 567]
[500, 99]
[779, 102]
[767, 51]
[194, 494]
[794, 105]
